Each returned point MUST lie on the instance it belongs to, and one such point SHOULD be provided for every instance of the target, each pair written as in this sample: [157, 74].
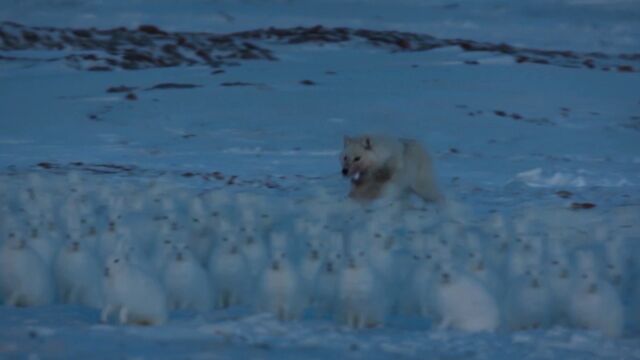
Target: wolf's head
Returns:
[357, 158]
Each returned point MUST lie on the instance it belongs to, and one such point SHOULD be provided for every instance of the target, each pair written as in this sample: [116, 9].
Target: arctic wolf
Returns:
[381, 165]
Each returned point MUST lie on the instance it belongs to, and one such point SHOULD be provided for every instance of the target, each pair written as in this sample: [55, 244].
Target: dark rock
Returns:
[30, 36]
[217, 175]
[120, 89]
[237, 83]
[403, 44]
[99, 68]
[564, 194]
[151, 29]
[580, 206]
[164, 86]
[83, 33]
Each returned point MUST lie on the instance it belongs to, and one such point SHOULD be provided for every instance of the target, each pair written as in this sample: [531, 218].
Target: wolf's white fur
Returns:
[380, 166]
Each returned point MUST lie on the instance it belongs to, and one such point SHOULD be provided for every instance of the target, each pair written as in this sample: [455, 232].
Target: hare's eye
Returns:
[356, 159]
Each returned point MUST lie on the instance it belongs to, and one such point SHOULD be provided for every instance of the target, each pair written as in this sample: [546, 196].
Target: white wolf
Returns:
[380, 166]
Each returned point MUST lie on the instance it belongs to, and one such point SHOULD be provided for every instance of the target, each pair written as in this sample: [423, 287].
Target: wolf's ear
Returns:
[347, 140]
[366, 142]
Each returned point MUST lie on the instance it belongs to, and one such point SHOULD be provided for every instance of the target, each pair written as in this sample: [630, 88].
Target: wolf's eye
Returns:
[356, 159]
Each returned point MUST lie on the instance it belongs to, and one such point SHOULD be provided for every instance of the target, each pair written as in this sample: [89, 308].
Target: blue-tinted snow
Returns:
[578, 132]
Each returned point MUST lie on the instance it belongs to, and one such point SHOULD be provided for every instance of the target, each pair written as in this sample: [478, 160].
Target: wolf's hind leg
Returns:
[425, 187]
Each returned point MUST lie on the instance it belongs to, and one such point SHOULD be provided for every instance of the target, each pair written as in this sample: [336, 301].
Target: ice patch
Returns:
[538, 178]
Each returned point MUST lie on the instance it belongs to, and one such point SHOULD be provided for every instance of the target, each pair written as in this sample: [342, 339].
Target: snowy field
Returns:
[133, 130]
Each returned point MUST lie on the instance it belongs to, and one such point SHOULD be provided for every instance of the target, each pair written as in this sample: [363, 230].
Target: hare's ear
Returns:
[347, 140]
[366, 142]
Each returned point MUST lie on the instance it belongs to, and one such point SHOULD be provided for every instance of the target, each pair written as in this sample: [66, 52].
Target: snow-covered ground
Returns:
[543, 131]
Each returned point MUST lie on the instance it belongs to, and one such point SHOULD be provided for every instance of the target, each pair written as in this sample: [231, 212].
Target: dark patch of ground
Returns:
[149, 46]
